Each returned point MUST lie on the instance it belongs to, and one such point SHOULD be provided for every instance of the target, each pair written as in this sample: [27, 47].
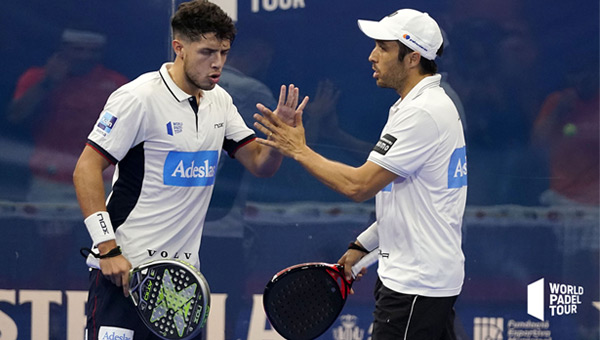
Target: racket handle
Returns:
[366, 261]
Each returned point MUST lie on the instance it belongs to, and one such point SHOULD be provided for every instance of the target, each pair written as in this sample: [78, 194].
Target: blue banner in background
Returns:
[523, 75]
[508, 249]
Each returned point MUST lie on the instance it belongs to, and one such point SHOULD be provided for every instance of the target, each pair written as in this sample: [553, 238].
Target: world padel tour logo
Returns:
[174, 128]
[231, 6]
[562, 299]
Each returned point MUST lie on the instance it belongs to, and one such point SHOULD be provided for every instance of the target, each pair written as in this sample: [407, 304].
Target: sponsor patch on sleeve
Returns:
[107, 122]
[384, 144]
[457, 169]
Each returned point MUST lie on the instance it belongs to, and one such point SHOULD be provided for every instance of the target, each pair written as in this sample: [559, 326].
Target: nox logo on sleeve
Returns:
[384, 144]
[190, 169]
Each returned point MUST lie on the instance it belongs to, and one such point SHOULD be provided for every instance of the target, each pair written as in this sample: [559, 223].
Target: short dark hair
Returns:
[427, 66]
[196, 18]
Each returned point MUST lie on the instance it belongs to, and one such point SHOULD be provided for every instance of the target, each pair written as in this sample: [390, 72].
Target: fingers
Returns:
[291, 100]
[267, 122]
[347, 266]
[360, 274]
[116, 269]
[125, 281]
[288, 96]
[303, 104]
[299, 119]
[265, 142]
[267, 129]
[120, 280]
[270, 115]
[282, 91]
[342, 260]
[348, 273]
[260, 127]
[293, 95]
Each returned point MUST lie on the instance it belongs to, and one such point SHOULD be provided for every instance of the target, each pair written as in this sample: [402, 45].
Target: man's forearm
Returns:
[269, 161]
[89, 183]
[340, 177]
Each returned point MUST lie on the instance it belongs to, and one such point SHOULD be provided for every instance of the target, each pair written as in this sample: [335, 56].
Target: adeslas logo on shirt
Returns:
[190, 169]
[114, 333]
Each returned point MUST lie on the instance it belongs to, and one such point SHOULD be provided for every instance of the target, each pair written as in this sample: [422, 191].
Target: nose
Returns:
[218, 61]
[372, 56]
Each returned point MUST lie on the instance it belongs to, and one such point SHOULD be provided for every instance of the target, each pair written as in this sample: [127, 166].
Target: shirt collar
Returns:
[424, 84]
[178, 93]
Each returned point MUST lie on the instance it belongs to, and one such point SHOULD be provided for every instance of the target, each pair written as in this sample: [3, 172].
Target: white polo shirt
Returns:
[166, 156]
[419, 219]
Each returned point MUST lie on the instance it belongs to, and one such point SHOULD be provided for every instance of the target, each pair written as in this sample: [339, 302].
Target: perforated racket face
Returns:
[303, 302]
[171, 297]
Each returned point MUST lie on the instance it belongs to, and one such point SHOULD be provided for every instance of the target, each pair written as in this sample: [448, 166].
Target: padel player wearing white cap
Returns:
[417, 171]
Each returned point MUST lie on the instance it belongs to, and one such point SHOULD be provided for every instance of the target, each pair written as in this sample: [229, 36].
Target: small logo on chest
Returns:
[174, 128]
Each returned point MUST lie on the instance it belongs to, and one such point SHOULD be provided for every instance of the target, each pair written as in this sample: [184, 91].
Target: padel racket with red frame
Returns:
[303, 301]
[171, 297]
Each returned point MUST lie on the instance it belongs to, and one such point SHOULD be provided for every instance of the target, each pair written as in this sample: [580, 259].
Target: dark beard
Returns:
[194, 82]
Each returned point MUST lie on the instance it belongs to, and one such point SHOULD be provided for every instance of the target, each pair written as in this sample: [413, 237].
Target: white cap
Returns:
[415, 29]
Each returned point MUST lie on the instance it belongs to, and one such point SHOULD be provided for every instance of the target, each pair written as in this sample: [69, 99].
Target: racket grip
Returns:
[366, 261]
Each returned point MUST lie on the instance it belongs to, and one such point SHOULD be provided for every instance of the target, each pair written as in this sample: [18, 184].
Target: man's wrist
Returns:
[302, 154]
[355, 245]
[106, 247]
[100, 228]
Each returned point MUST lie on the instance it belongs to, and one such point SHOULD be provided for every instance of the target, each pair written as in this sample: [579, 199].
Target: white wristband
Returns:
[369, 238]
[99, 226]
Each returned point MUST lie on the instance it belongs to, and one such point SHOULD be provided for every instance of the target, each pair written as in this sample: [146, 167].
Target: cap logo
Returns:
[407, 37]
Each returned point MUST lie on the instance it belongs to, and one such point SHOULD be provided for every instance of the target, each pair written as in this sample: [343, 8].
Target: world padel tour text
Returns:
[272, 5]
[563, 299]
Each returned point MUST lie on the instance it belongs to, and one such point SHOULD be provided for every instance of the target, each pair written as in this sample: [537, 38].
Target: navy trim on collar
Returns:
[167, 85]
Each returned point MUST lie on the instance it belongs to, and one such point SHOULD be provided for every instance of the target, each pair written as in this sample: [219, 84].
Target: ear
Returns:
[177, 48]
[414, 59]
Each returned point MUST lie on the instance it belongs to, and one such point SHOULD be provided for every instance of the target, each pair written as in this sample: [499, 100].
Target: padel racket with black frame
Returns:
[171, 297]
[303, 301]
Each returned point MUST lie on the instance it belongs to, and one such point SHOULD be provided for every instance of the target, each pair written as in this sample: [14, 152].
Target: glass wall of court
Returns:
[523, 74]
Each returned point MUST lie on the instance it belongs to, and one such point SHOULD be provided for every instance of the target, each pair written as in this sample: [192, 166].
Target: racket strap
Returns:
[85, 252]
[356, 246]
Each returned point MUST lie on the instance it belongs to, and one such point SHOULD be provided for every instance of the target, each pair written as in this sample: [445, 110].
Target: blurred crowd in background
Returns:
[524, 77]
